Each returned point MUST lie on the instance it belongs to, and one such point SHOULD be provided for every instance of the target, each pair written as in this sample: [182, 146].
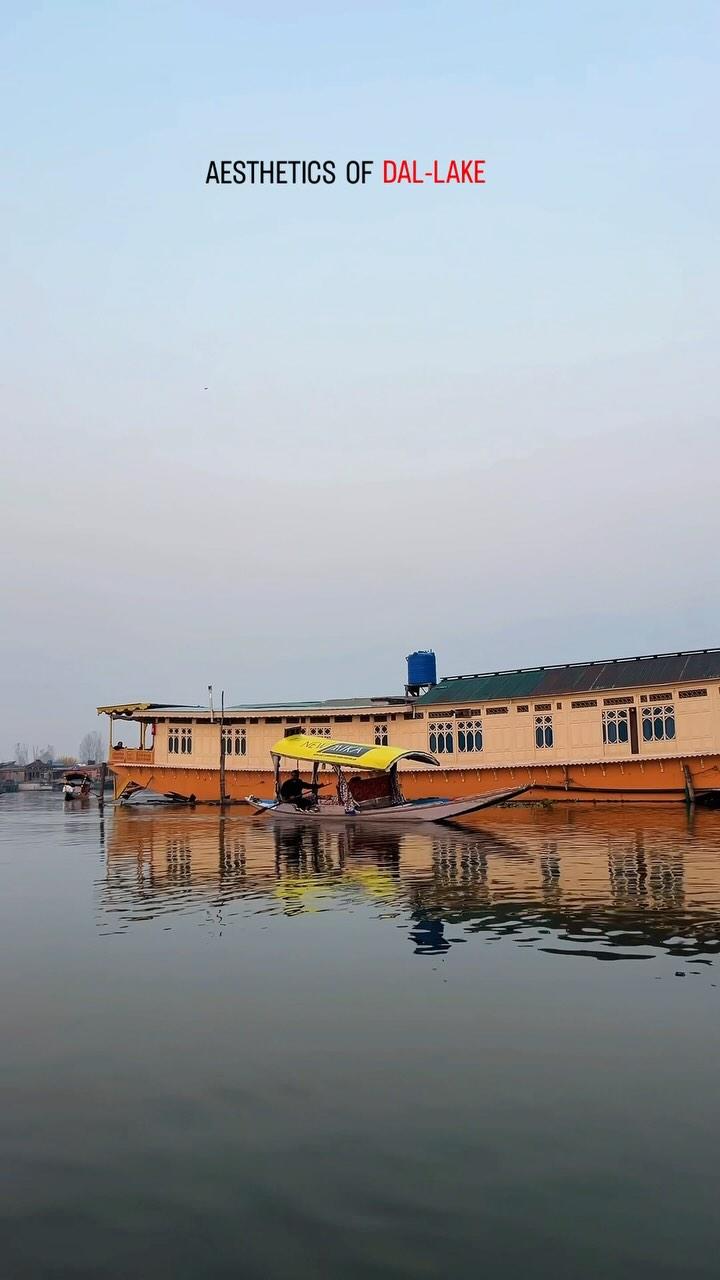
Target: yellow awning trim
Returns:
[124, 709]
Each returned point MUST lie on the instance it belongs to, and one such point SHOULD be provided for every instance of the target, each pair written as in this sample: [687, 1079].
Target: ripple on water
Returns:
[235, 1048]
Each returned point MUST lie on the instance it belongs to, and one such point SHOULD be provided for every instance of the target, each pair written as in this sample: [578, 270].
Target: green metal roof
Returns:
[578, 677]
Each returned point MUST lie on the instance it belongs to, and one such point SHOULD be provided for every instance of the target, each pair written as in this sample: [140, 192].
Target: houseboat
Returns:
[643, 729]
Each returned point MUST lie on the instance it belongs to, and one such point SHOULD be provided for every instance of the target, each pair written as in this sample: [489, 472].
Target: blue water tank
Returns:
[422, 668]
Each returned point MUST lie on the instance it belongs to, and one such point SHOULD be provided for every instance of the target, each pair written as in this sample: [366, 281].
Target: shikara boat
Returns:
[76, 785]
[365, 784]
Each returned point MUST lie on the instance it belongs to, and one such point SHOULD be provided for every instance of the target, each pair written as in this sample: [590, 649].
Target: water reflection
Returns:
[607, 884]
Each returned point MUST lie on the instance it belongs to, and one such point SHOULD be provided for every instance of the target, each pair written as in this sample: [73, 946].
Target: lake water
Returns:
[233, 1049]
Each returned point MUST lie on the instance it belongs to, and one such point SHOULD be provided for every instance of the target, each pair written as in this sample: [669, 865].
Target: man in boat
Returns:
[292, 789]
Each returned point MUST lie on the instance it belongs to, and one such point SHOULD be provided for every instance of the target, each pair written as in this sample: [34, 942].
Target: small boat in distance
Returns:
[76, 785]
[371, 792]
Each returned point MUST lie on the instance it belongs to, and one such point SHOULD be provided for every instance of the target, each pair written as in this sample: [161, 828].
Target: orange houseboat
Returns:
[630, 729]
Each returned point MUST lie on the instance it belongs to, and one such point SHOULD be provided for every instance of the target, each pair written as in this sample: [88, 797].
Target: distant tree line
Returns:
[90, 751]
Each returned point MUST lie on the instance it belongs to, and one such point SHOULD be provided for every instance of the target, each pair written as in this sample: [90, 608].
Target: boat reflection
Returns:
[604, 883]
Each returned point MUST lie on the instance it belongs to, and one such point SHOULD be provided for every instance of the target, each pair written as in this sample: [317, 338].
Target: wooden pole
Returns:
[689, 788]
[222, 748]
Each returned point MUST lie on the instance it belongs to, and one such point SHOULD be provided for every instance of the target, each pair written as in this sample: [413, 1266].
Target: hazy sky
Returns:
[480, 419]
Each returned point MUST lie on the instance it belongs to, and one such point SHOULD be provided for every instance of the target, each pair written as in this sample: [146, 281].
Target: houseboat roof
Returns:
[151, 709]
[521, 682]
[578, 677]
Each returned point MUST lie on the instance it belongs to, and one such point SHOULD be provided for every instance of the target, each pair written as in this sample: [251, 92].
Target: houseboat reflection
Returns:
[598, 882]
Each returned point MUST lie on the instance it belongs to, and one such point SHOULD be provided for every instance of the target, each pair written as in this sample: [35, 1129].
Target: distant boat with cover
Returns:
[77, 785]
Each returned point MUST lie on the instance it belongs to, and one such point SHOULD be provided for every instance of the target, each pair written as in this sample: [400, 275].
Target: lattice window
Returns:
[381, 734]
[524, 706]
[543, 706]
[692, 693]
[583, 702]
[496, 711]
[469, 735]
[659, 697]
[616, 727]
[441, 737]
[321, 731]
[180, 739]
[618, 702]
[543, 731]
[234, 742]
[658, 723]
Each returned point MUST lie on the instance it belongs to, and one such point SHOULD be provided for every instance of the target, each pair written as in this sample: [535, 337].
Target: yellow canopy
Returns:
[356, 755]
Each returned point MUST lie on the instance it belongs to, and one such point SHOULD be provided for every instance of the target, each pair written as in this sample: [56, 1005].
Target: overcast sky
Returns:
[274, 438]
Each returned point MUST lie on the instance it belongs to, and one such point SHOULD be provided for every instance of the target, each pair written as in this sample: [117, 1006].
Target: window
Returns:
[524, 706]
[180, 739]
[469, 735]
[543, 731]
[321, 731]
[441, 736]
[618, 702]
[583, 702]
[381, 734]
[658, 723]
[543, 706]
[496, 711]
[234, 742]
[616, 727]
[692, 693]
[658, 697]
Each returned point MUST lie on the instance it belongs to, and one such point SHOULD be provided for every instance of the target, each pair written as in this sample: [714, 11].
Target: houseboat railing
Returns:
[130, 755]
